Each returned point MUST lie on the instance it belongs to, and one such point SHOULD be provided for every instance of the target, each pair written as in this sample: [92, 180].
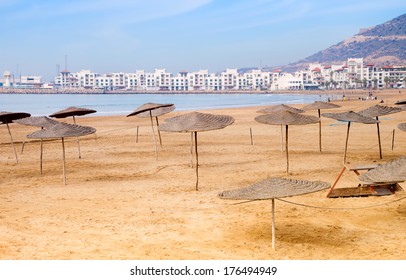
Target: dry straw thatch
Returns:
[286, 118]
[72, 112]
[318, 105]
[9, 117]
[196, 122]
[43, 122]
[402, 126]
[278, 108]
[375, 112]
[349, 117]
[62, 130]
[272, 188]
[156, 113]
[148, 108]
[391, 172]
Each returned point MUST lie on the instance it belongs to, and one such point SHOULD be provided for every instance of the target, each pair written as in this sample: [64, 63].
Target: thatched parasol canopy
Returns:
[272, 188]
[278, 108]
[41, 121]
[62, 130]
[375, 112]
[196, 122]
[71, 112]
[157, 112]
[391, 172]
[402, 126]
[9, 117]
[147, 109]
[286, 118]
[401, 102]
[318, 105]
[379, 110]
[349, 117]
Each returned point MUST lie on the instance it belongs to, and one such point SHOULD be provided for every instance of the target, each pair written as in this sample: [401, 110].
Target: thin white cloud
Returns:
[140, 9]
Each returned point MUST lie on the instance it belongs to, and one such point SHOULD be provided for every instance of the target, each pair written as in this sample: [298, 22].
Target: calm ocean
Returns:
[122, 104]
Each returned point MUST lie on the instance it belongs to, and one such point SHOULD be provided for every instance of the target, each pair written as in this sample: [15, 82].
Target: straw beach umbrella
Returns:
[279, 108]
[43, 122]
[9, 117]
[286, 118]
[196, 122]
[156, 113]
[375, 112]
[400, 102]
[62, 130]
[148, 108]
[318, 105]
[391, 172]
[72, 112]
[402, 126]
[349, 117]
[272, 188]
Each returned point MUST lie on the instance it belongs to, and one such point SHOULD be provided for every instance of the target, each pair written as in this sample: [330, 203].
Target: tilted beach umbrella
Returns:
[375, 112]
[62, 130]
[156, 113]
[195, 122]
[9, 117]
[43, 122]
[391, 172]
[286, 118]
[349, 117]
[72, 112]
[279, 108]
[400, 102]
[148, 108]
[318, 105]
[272, 188]
[402, 126]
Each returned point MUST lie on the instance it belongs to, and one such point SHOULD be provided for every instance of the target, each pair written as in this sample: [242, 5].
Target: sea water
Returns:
[122, 104]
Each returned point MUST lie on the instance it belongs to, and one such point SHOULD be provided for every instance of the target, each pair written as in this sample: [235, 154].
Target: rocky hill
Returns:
[381, 44]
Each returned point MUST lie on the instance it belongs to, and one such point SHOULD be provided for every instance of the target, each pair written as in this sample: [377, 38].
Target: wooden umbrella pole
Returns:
[379, 139]
[319, 131]
[159, 132]
[287, 151]
[191, 150]
[153, 134]
[197, 163]
[273, 224]
[74, 121]
[136, 139]
[346, 142]
[40, 158]
[12, 142]
[281, 139]
[63, 165]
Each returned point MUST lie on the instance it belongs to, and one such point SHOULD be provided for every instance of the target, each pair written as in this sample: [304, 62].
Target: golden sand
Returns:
[121, 203]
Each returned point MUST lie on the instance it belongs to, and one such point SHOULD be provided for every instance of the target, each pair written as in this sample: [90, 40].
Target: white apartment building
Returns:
[353, 73]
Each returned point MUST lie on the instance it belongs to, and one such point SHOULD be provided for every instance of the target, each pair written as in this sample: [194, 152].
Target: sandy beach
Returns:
[121, 203]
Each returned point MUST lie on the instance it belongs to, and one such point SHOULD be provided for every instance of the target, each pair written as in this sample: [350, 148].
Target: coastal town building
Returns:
[353, 73]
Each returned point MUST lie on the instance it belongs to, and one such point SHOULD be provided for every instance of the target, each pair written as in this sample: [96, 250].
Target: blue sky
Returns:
[126, 35]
